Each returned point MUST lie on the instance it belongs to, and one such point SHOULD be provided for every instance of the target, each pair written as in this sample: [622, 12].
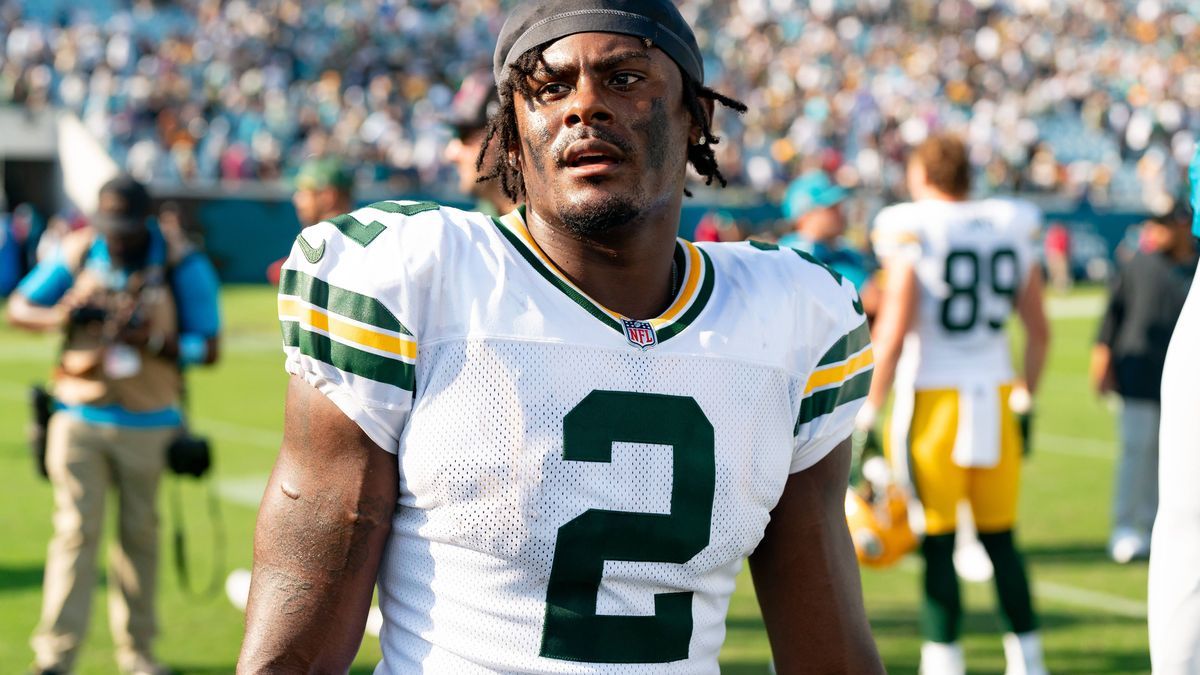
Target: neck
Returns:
[930, 192]
[628, 270]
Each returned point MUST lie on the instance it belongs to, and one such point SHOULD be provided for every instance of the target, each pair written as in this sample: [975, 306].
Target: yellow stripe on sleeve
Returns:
[840, 372]
[293, 310]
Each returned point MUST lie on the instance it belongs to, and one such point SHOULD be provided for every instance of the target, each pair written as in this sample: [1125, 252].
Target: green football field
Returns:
[1093, 611]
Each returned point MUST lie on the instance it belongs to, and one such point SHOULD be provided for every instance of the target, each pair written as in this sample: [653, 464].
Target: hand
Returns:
[1021, 404]
[134, 336]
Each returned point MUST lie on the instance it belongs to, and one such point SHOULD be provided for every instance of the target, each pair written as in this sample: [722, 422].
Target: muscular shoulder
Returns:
[794, 282]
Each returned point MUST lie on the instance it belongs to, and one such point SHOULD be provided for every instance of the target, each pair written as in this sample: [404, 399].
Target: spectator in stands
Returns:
[474, 103]
[1040, 89]
[324, 190]
[133, 311]
[1058, 256]
[813, 204]
[1127, 359]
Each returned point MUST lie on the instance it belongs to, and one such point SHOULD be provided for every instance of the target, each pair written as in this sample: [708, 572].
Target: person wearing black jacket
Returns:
[1145, 302]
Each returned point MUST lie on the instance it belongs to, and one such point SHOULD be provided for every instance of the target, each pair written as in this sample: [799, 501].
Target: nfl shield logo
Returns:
[640, 334]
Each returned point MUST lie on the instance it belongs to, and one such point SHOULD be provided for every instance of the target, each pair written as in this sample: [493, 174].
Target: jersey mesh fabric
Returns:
[448, 344]
[466, 571]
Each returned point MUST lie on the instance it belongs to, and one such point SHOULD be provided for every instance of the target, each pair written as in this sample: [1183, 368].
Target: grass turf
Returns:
[1092, 610]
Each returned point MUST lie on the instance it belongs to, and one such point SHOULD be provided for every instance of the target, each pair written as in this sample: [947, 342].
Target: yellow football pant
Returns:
[940, 484]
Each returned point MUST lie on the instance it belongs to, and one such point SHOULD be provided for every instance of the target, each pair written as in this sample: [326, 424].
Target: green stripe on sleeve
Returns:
[348, 359]
[339, 301]
[849, 345]
[826, 401]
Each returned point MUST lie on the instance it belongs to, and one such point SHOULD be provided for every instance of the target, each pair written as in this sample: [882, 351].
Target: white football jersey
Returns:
[577, 490]
[971, 260]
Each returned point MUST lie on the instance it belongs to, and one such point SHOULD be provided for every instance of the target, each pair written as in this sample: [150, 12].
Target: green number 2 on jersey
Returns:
[573, 630]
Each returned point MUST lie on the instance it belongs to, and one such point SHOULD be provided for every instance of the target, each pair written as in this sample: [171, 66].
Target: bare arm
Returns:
[1100, 370]
[1032, 311]
[806, 577]
[897, 311]
[24, 314]
[321, 532]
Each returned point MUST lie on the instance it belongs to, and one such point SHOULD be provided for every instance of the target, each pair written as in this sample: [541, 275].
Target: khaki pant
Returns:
[83, 461]
[1135, 502]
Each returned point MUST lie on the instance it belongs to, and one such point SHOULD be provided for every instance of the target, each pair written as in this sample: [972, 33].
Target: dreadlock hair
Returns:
[502, 126]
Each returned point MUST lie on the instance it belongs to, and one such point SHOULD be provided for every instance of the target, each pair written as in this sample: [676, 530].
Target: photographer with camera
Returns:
[134, 312]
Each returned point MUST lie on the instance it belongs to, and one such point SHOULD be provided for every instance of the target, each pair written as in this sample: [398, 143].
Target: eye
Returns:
[552, 90]
[621, 80]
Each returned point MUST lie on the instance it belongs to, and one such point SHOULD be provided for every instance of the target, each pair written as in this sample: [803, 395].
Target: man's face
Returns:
[915, 178]
[128, 249]
[825, 224]
[316, 204]
[307, 207]
[604, 135]
[462, 153]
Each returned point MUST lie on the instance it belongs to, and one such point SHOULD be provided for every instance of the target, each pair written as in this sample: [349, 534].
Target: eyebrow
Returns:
[605, 63]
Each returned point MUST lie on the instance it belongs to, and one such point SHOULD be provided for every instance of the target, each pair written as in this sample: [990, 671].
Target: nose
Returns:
[589, 105]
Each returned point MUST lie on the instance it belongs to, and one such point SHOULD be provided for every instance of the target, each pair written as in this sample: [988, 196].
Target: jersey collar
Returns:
[696, 272]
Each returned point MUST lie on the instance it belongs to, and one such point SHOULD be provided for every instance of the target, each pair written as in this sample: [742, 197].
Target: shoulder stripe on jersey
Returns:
[347, 358]
[850, 344]
[826, 401]
[697, 270]
[839, 373]
[410, 209]
[339, 300]
[353, 228]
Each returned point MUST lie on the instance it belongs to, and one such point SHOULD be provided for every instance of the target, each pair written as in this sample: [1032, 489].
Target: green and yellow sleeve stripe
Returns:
[843, 375]
[349, 331]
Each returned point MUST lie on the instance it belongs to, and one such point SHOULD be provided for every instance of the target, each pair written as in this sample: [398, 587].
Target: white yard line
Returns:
[1082, 597]
[1087, 307]
[1074, 446]
[1068, 595]
[242, 490]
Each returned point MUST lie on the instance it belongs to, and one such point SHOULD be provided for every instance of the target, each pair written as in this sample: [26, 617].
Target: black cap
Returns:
[476, 101]
[537, 22]
[128, 207]
[1172, 213]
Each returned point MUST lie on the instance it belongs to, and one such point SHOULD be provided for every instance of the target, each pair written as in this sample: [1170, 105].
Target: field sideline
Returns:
[1093, 611]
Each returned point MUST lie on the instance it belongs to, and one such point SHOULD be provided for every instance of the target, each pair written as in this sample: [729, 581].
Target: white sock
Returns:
[942, 658]
[1023, 654]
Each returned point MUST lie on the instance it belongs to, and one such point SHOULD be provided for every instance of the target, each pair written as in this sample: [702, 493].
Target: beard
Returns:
[600, 215]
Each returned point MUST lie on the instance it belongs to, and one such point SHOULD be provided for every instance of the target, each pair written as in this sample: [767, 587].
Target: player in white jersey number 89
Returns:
[554, 436]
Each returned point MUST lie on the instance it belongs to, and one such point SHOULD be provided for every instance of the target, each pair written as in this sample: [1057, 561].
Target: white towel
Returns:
[977, 443]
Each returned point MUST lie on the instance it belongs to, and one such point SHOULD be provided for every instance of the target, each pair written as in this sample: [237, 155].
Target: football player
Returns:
[955, 270]
[1174, 599]
[555, 435]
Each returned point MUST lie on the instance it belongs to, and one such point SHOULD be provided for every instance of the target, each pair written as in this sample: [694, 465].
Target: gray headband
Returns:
[539, 23]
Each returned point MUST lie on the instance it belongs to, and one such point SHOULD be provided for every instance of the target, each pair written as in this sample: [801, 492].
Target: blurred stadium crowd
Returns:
[1071, 97]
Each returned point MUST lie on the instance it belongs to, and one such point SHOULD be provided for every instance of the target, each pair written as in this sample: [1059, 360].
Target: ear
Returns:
[696, 135]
